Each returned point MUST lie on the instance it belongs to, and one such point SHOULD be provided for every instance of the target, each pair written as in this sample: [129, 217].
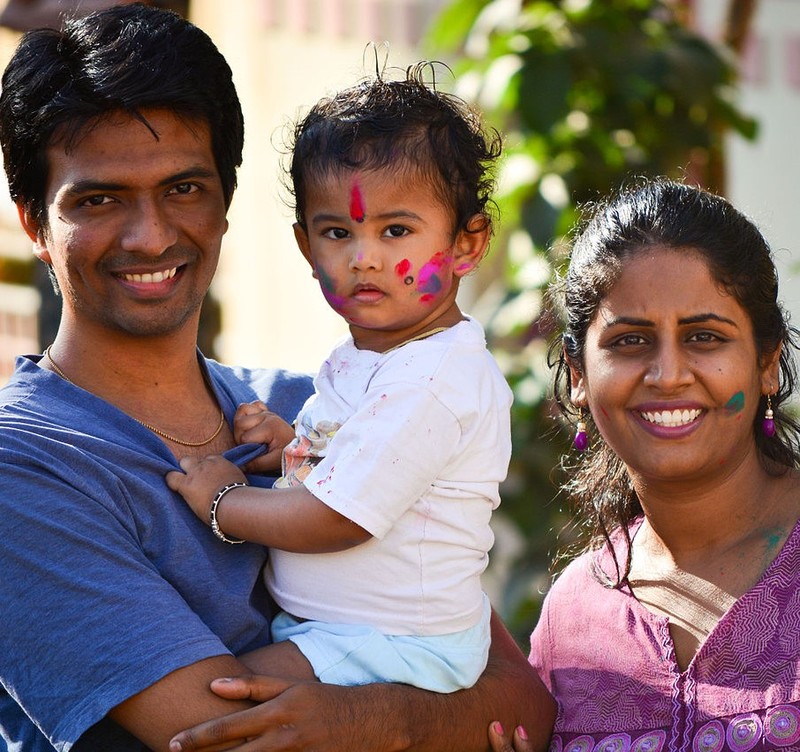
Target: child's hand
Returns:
[201, 479]
[255, 423]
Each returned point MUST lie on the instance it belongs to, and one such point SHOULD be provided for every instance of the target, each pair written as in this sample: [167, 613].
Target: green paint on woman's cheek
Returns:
[735, 404]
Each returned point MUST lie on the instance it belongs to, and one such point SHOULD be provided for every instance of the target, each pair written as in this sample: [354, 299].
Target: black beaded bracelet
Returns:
[212, 514]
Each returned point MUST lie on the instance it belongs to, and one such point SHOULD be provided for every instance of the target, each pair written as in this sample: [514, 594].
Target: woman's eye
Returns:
[397, 231]
[335, 233]
[705, 337]
[628, 340]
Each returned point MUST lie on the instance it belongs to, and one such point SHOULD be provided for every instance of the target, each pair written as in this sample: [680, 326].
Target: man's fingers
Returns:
[257, 688]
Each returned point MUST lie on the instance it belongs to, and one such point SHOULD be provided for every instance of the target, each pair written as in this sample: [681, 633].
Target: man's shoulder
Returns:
[282, 390]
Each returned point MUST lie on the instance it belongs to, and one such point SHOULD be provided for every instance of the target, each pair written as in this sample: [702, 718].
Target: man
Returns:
[121, 137]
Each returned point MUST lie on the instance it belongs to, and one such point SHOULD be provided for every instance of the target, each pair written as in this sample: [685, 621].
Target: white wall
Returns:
[285, 55]
[764, 176]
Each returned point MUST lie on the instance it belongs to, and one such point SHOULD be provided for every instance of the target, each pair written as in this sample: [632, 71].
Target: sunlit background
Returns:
[587, 93]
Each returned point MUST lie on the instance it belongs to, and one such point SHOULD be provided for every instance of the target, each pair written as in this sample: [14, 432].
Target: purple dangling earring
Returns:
[768, 424]
[581, 437]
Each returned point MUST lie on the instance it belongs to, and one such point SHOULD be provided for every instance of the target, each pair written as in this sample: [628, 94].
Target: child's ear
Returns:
[301, 238]
[471, 244]
[34, 231]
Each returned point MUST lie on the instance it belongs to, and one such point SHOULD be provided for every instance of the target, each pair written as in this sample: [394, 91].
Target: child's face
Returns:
[381, 245]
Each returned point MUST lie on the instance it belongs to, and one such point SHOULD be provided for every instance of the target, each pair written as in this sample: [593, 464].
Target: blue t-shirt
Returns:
[108, 581]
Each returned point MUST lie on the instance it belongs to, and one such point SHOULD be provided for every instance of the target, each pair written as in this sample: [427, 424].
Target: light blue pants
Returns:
[349, 654]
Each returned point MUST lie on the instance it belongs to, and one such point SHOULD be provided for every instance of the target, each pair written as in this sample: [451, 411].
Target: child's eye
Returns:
[335, 233]
[396, 231]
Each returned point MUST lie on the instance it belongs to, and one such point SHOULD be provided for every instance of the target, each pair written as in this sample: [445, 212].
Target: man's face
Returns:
[134, 223]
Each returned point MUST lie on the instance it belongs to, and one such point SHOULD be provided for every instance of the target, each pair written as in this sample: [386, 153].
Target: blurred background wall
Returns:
[285, 54]
[265, 309]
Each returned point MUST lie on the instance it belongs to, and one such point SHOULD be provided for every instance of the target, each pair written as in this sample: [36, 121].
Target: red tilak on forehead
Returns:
[356, 204]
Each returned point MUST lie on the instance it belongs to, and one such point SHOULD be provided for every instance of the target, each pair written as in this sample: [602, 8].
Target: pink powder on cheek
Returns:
[429, 282]
[402, 268]
[357, 212]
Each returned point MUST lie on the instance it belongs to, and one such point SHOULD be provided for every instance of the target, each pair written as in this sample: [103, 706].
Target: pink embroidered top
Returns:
[610, 664]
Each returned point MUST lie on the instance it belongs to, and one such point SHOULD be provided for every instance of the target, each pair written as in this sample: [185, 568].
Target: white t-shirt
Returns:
[424, 443]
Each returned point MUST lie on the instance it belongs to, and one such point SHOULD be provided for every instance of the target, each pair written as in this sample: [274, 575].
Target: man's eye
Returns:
[96, 200]
[185, 188]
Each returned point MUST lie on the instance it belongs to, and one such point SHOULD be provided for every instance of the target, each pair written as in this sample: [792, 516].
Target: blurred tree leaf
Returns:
[587, 94]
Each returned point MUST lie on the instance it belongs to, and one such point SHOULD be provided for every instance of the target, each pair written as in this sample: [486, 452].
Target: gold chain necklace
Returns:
[421, 335]
[155, 430]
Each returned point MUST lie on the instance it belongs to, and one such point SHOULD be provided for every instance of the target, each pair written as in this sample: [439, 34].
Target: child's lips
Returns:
[368, 293]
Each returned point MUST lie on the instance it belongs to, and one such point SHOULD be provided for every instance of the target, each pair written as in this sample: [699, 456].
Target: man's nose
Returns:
[148, 229]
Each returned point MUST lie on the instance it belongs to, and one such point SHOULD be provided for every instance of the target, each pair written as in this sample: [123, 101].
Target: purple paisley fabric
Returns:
[610, 664]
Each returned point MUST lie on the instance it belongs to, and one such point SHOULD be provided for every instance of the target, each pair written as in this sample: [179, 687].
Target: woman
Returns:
[678, 628]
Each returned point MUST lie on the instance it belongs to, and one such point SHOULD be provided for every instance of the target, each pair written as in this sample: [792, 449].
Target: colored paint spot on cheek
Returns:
[356, 204]
[326, 285]
[402, 268]
[428, 282]
[603, 410]
[735, 404]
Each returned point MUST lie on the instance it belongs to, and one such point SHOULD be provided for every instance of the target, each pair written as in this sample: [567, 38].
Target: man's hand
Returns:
[306, 716]
[385, 717]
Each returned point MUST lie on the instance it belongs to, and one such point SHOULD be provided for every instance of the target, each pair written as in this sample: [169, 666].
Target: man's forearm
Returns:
[509, 691]
[384, 717]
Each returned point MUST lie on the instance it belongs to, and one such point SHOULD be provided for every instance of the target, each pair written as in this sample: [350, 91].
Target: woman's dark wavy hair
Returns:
[673, 215]
[407, 124]
[124, 59]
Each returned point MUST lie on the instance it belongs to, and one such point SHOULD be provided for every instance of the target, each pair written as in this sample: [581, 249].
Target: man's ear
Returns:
[301, 238]
[34, 231]
[470, 245]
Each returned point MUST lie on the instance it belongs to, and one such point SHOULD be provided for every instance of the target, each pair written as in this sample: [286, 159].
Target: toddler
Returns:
[379, 527]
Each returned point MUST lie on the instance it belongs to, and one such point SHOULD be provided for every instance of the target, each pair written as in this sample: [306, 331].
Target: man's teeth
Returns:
[153, 277]
[672, 418]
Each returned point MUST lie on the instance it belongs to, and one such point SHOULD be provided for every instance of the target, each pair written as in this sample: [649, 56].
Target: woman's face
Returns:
[671, 372]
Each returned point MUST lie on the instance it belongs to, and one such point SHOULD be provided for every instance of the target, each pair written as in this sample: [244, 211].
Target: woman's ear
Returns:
[770, 370]
[34, 231]
[577, 385]
[470, 245]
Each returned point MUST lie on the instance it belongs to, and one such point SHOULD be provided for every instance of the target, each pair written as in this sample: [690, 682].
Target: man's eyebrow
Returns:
[188, 174]
[90, 185]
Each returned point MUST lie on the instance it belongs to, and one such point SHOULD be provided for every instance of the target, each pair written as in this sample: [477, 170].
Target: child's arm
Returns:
[255, 423]
[291, 519]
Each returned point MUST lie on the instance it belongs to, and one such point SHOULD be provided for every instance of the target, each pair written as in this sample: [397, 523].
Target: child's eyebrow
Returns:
[324, 217]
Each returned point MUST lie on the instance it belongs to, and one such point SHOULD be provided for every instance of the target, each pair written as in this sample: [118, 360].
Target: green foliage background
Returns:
[588, 94]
